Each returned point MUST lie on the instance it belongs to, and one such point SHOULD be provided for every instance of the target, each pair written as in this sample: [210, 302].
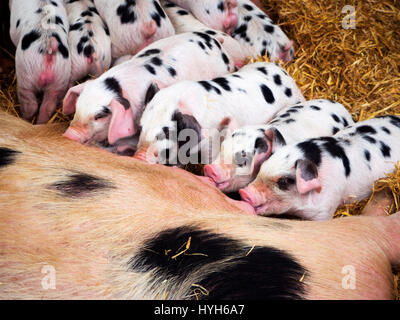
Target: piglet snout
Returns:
[76, 135]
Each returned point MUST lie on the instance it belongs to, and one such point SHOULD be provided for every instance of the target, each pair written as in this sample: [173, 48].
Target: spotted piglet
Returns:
[220, 15]
[39, 31]
[89, 40]
[134, 24]
[184, 21]
[312, 178]
[258, 34]
[197, 110]
[109, 107]
[243, 152]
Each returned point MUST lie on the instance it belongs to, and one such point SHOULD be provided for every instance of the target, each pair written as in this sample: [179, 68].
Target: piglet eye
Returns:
[284, 183]
[105, 112]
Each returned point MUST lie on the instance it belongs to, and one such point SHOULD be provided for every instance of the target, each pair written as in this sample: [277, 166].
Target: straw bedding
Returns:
[359, 68]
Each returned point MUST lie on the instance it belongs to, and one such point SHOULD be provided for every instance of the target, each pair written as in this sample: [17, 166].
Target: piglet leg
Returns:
[27, 99]
[48, 106]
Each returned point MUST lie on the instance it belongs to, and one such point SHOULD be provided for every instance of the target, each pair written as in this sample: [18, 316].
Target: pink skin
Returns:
[261, 198]
[77, 134]
[285, 55]
[220, 175]
[231, 21]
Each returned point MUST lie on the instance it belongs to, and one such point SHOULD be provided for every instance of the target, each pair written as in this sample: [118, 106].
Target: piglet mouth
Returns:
[252, 198]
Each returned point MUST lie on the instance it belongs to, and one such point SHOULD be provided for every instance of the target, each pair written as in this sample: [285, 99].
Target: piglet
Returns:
[314, 177]
[220, 15]
[39, 31]
[258, 34]
[243, 152]
[134, 25]
[199, 110]
[109, 107]
[89, 40]
[184, 21]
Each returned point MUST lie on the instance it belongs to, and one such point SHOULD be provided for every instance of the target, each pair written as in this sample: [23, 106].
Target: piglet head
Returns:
[242, 154]
[100, 115]
[284, 184]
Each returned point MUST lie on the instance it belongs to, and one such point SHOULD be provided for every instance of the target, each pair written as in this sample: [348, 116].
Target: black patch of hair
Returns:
[264, 273]
[311, 151]
[29, 38]
[223, 83]
[267, 93]
[149, 52]
[385, 149]
[332, 146]
[365, 130]
[79, 185]
[61, 47]
[7, 156]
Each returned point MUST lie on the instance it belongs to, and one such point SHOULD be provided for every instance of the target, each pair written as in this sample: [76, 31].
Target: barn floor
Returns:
[359, 68]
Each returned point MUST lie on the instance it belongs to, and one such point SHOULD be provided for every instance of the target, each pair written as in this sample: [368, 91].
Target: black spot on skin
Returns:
[156, 61]
[263, 70]
[201, 45]
[87, 13]
[248, 7]
[269, 28]
[316, 108]
[149, 52]
[150, 69]
[157, 18]
[288, 92]
[277, 79]
[367, 155]
[172, 71]
[18, 22]
[225, 58]
[386, 130]
[113, 85]
[61, 47]
[335, 117]
[209, 87]
[126, 12]
[88, 51]
[332, 146]
[385, 149]
[220, 6]
[223, 83]
[237, 273]
[182, 12]
[365, 130]
[345, 123]
[240, 31]
[369, 139]
[80, 185]
[7, 156]
[267, 93]
[151, 92]
[247, 18]
[335, 130]
[94, 10]
[29, 38]
[75, 26]
[311, 151]
[211, 32]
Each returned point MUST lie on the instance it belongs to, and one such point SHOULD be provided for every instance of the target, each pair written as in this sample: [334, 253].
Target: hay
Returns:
[359, 68]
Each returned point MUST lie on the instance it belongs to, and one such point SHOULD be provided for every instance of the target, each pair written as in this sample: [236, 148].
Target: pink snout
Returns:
[287, 52]
[79, 135]
[249, 196]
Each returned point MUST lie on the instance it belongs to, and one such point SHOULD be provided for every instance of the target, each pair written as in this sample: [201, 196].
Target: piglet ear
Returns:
[275, 138]
[307, 177]
[121, 124]
[69, 103]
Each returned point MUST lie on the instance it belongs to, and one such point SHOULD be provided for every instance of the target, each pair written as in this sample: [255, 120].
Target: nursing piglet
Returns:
[243, 152]
[311, 179]
[89, 40]
[258, 34]
[109, 107]
[216, 14]
[134, 25]
[195, 111]
[39, 31]
[184, 21]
